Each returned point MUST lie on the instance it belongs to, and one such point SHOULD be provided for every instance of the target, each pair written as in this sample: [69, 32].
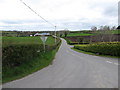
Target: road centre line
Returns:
[108, 62]
[116, 63]
[112, 63]
[79, 57]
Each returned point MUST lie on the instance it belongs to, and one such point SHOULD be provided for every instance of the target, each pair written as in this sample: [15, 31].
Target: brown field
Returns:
[96, 38]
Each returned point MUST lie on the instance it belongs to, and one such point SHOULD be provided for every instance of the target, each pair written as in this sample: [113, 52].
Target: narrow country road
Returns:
[71, 69]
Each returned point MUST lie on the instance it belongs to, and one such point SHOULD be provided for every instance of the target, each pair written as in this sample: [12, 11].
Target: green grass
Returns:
[50, 41]
[6, 41]
[115, 31]
[80, 34]
[70, 42]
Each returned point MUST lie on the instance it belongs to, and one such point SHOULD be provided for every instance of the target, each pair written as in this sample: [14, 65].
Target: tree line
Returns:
[104, 32]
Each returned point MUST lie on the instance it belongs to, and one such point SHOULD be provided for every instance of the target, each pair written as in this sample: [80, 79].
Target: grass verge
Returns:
[90, 53]
[102, 48]
[38, 63]
[70, 42]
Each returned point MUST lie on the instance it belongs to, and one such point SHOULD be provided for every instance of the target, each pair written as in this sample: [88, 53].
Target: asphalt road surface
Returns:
[71, 69]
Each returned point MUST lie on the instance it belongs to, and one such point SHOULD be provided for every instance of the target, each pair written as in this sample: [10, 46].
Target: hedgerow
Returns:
[73, 43]
[105, 48]
[17, 56]
[14, 55]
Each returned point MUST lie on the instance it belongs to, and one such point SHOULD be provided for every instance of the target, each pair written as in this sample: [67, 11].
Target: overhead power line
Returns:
[40, 17]
[37, 13]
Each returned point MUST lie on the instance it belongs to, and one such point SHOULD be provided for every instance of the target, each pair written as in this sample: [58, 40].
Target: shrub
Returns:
[16, 54]
[101, 48]
[23, 57]
[80, 39]
[73, 43]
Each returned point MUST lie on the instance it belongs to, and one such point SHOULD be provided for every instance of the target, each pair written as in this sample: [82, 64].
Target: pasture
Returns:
[6, 41]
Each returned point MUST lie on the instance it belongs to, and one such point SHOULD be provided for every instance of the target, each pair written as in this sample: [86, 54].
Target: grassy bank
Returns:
[21, 59]
[43, 60]
[90, 53]
[111, 48]
[74, 43]
[70, 42]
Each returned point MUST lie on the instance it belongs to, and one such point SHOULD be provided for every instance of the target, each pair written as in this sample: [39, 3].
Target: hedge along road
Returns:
[71, 69]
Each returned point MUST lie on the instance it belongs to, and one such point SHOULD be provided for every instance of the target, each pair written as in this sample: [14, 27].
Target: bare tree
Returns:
[94, 28]
[101, 33]
[113, 28]
[80, 40]
[106, 27]
[66, 32]
[60, 33]
[105, 33]
[108, 33]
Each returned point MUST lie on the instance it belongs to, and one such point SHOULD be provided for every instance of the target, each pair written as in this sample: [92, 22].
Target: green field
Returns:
[88, 33]
[115, 31]
[111, 32]
[50, 41]
[6, 41]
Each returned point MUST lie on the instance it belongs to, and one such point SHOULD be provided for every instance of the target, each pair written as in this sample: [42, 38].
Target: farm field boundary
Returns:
[106, 48]
[20, 60]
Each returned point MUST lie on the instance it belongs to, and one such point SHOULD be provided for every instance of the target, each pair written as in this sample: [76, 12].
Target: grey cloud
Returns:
[111, 11]
[21, 21]
[11, 22]
[1, 1]
[108, 8]
[80, 24]
[26, 27]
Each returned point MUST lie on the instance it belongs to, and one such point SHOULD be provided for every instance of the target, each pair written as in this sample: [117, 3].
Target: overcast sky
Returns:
[65, 14]
[119, 13]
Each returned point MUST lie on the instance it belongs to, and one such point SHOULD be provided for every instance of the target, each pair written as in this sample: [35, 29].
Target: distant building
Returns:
[42, 34]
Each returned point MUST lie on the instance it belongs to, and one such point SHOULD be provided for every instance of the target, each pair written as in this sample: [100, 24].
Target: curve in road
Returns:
[71, 69]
